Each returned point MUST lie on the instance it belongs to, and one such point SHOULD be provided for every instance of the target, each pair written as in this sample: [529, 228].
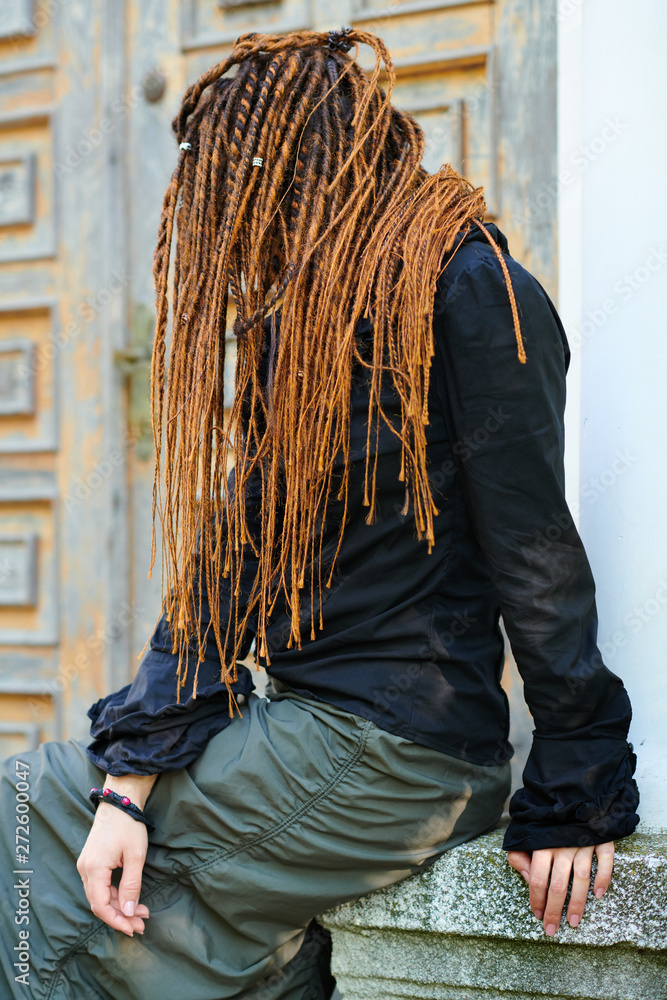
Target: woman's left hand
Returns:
[547, 872]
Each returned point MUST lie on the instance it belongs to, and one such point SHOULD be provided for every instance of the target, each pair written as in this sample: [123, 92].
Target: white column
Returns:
[569, 227]
[613, 260]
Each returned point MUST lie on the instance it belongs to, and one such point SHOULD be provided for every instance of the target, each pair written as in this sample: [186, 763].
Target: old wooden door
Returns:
[87, 92]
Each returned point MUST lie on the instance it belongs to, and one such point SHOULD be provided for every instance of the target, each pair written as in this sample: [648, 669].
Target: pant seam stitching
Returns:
[262, 838]
[335, 779]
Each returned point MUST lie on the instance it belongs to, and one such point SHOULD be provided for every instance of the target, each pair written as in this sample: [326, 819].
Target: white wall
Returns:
[613, 301]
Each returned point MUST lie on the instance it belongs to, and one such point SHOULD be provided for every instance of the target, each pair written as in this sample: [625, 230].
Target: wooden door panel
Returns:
[443, 55]
[455, 107]
[212, 23]
[28, 383]
[27, 217]
[428, 35]
[30, 701]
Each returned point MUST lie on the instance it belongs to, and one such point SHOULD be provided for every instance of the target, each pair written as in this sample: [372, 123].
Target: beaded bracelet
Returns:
[121, 802]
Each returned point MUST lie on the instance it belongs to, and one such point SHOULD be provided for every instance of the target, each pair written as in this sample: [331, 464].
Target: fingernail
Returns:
[539, 914]
[550, 929]
[599, 893]
[526, 876]
[128, 908]
[574, 919]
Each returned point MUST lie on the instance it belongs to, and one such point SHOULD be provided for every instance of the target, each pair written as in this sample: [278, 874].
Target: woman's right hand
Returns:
[116, 840]
[547, 872]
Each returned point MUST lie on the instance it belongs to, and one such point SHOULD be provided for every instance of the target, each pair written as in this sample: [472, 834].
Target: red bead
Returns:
[125, 800]
[106, 793]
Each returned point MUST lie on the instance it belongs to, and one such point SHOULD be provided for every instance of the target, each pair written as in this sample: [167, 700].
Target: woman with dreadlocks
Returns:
[397, 484]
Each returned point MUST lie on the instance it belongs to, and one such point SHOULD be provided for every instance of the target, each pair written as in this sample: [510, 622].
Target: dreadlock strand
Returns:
[341, 221]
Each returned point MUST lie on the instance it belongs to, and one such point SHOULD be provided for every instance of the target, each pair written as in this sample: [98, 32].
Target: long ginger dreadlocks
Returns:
[300, 185]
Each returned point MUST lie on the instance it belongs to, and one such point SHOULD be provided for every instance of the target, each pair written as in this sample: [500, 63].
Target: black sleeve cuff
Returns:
[576, 793]
[141, 730]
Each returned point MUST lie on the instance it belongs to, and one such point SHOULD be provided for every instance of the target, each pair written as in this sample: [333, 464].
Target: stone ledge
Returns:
[463, 930]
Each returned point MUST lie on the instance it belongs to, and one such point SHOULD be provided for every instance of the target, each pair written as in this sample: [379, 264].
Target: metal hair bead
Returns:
[257, 161]
[185, 145]
[339, 41]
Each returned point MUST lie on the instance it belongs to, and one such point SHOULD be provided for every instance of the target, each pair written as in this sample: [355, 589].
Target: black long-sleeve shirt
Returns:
[412, 640]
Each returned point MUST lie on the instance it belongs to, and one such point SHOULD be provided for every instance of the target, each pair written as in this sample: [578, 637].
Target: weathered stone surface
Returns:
[392, 965]
[463, 929]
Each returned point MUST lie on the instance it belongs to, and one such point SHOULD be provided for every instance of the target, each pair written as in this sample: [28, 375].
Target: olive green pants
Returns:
[292, 809]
